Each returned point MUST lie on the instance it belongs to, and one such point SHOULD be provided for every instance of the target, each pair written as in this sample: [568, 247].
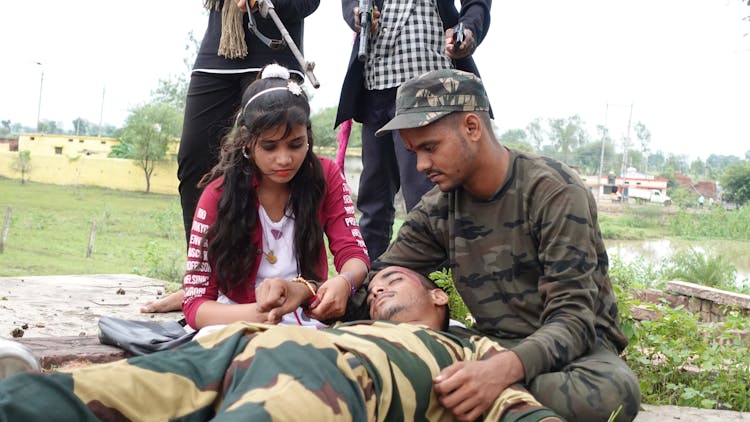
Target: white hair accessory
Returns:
[274, 70]
[292, 87]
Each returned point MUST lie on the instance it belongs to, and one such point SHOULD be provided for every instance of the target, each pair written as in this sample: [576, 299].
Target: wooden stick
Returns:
[91, 239]
[6, 227]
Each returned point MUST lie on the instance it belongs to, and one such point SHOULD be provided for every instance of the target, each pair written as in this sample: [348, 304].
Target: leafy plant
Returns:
[459, 310]
[168, 221]
[637, 274]
[154, 263]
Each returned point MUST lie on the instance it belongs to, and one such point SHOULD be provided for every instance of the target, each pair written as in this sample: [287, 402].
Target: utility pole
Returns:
[626, 145]
[101, 112]
[39, 104]
[601, 157]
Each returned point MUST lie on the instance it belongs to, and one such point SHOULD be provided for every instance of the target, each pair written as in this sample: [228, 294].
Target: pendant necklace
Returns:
[271, 234]
[270, 257]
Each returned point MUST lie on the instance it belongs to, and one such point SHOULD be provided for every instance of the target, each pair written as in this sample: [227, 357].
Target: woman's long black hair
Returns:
[230, 251]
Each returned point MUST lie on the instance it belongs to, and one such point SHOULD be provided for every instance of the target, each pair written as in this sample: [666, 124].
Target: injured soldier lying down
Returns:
[383, 369]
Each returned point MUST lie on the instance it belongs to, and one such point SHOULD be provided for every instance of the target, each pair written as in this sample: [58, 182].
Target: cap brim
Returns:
[411, 120]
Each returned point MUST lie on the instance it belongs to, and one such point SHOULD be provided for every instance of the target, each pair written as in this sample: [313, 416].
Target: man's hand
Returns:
[375, 19]
[241, 4]
[465, 49]
[467, 389]
[332, 298]
[277, 297]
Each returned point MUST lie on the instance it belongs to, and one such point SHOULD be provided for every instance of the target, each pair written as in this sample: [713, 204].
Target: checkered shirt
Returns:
[409, 42]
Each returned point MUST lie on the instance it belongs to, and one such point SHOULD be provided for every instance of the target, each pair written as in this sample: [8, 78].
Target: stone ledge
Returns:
[722, 297]
[59, 352]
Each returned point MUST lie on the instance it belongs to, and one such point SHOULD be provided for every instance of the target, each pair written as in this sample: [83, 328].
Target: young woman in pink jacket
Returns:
[260, 221]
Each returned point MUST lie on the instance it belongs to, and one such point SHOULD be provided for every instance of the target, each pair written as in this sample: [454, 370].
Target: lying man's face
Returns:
[401, 295]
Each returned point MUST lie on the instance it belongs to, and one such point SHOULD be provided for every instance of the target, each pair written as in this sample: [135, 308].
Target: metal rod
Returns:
[306, 66]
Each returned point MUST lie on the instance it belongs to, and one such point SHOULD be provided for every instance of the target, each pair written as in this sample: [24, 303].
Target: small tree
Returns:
[736, 183]
[22, 164]
[644, 137]
[147, 133]
[81, 126]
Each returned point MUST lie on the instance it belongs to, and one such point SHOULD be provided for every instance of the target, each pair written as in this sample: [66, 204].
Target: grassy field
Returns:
[141, 233]
[51, 225]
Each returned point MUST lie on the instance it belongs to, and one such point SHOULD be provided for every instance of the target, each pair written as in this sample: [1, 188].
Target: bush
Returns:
[683, 198]
[680, 362]
[699, 267]
[638, 274]
[156, 264]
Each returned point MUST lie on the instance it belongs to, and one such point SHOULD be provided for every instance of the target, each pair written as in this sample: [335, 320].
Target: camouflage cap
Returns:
[435, 94]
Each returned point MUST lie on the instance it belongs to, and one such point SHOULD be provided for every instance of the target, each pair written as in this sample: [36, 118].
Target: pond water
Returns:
[653, 251]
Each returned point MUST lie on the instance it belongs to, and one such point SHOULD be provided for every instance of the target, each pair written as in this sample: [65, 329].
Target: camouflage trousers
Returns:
[591, 388]
[245, 372]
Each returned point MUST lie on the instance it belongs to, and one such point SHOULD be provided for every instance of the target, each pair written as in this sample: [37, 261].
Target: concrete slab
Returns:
[71, 305]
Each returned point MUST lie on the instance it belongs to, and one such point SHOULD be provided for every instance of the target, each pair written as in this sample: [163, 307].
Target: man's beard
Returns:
[388, 313]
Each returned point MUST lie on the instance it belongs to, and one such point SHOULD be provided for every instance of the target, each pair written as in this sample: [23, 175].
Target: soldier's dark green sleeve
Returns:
[566, 239]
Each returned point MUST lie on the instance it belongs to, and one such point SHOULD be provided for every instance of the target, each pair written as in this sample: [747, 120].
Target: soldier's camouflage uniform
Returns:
[531, 266]
[363, 371]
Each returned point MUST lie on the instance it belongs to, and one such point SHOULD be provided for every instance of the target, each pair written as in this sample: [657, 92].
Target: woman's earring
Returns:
[245, 153]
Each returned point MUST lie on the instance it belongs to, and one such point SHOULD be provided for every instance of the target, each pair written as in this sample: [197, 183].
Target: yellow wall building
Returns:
[68, 145]
[82, 160]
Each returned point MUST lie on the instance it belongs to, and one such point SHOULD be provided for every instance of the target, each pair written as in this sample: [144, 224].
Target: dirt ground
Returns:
[70, 305]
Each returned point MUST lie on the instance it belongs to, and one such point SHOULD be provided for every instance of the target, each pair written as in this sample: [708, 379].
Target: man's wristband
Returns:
[350, 278]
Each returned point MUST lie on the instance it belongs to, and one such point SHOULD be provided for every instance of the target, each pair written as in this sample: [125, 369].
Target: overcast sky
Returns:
[682, 65]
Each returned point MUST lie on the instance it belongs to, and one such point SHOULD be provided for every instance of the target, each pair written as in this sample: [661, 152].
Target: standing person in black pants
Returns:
[407, 39]
[229, 59]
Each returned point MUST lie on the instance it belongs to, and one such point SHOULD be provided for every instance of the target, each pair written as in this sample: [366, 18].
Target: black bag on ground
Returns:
[142, 337]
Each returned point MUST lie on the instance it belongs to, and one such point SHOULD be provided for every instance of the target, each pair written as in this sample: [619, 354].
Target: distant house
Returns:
[616, 187]
[706, 188]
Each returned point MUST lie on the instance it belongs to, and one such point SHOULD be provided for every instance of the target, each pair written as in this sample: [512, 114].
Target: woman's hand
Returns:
[277, 297]
[332, 298]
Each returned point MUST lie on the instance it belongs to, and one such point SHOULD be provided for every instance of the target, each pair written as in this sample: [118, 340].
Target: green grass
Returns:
[636, 222]
[51, 225]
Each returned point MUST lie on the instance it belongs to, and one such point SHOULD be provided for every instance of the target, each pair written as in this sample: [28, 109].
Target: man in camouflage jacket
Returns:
[365, 371]
[520, 234]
